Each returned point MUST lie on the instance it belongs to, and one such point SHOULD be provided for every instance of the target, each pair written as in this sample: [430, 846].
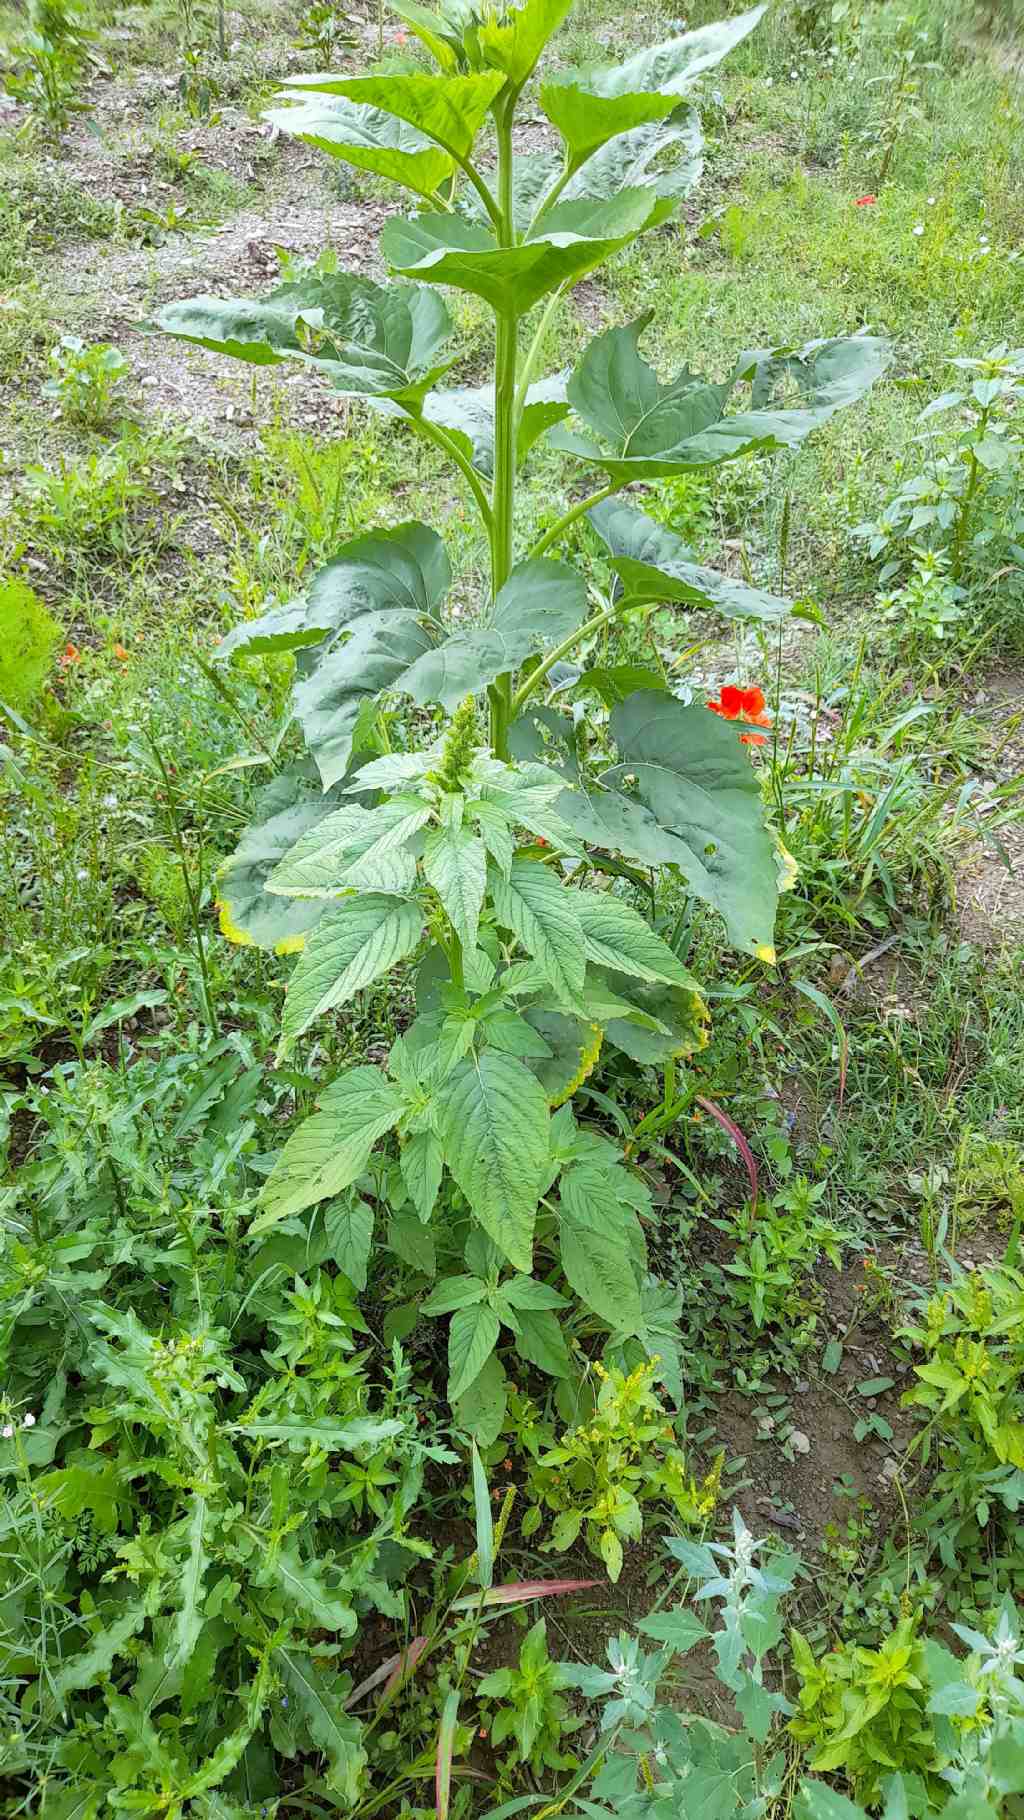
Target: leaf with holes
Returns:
[660, 429]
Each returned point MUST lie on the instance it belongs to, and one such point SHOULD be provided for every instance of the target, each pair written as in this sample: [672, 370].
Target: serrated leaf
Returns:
[422, 1163]
[348, 1225]
[413, 1242]
[94, 1663]
[594, 1240]
[512, 40]
[493, 1122]
[356, 942]
[665, 156]
[330, 1149]
[586, 119]
[540, 1340]
[672, 66]
[658, 430]
[541, 603]
[481, 1411]
[448, 109]
[574, 1043]
[188, 1619]
[368, 138]
[347, 845]
[300, 1433]
[455, 863]
[680, 1012]
[616, 936]
[472, 1337]
[454, 1293]
[542, 914]
[305, 1588]
[318, 1694]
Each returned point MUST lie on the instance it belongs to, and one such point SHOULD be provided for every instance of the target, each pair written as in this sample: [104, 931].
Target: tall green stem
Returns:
[503, 496]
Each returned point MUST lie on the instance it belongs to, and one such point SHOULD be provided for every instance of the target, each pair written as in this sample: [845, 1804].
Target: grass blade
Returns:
[443, 1761]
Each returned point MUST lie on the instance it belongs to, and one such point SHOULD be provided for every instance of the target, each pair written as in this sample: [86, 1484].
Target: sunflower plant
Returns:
[473, 851]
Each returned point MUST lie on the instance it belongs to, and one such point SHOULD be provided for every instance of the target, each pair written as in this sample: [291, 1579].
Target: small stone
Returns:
[799, 1441]
[801, 1387]
[890, 1469]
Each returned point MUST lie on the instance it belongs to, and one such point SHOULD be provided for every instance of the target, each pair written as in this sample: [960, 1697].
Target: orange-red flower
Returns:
[864, 202]
[742, 704]
[70, 655]
[121, 654]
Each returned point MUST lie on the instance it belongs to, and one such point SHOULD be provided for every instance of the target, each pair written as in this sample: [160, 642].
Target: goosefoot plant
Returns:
[477, 853]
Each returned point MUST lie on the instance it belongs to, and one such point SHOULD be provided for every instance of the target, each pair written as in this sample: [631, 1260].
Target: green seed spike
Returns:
[459, 747]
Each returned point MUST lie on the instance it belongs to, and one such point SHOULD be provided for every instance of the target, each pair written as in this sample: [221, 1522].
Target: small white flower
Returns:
[768, 81]
[794, 75]
[931, 202]
[29, 1421]
[7, 1431]
[919, 227]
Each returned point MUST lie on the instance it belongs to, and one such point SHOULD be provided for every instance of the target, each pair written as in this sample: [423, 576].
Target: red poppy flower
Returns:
[864, 202]
[70, 655]
[742, 704]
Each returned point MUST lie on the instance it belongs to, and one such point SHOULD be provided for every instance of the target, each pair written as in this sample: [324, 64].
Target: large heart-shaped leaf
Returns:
[348, 679]
[679, 1013]
[384, 592]
[695, 802]
[621, 397]
[493, 1119]
[447, 109]
[662, 429]
[586, 119]
[357, 941]
[369, 139]
[405, 567]
[639, 158]
[672, 66]
[287, 809]
[468, 412]
[654, 564]
[367, 339]
[541, 603]
[569, 241]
